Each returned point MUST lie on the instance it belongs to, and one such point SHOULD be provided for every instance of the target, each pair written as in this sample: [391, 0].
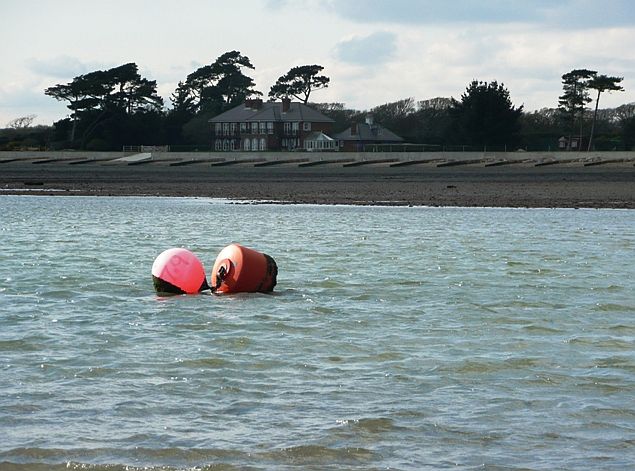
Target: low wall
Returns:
[314, 156]
[61, 154]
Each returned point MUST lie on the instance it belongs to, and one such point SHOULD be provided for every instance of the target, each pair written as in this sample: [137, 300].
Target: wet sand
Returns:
[520, 185]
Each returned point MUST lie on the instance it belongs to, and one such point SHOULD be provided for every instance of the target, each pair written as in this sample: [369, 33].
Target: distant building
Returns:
[572, 143]
[355, 138]
[262, 126]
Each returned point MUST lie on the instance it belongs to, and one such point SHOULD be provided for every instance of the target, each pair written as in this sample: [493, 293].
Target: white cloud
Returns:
[373, 49]
[570, 14]
[529, 60]
[60, 66]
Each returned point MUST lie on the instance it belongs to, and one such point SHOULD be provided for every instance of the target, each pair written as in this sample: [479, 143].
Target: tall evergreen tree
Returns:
[206, 92]
[97, 96]
[299, 82]
[182, 99]
[182, 111]
[575, 97]
[485, 116]
[602, 83]
[217, 86]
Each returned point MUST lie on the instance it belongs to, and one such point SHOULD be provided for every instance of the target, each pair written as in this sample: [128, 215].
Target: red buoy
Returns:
[239, 269]
[178, 271]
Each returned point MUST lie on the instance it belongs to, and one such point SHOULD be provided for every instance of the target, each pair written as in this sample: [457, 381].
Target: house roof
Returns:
[271, 111]
[369, 133]
[318, 136]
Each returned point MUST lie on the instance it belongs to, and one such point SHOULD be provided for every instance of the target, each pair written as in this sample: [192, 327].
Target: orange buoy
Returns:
[239, 269]
[178, 271]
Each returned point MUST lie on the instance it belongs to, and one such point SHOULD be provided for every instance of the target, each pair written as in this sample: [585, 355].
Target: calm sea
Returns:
[398, 338]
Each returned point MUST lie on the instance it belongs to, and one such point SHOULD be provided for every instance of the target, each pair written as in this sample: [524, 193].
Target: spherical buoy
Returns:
[178, 271]
[239, 269]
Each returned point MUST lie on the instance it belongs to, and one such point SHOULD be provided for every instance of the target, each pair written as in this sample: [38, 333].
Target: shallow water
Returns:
[397, 338]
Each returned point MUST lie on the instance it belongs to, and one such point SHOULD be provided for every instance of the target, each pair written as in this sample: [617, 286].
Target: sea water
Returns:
[397, 338]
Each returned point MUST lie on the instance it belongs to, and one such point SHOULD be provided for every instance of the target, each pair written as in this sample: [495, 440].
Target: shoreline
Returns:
[523, 185]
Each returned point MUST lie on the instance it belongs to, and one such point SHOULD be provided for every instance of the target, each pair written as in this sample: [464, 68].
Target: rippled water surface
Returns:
[398, 338]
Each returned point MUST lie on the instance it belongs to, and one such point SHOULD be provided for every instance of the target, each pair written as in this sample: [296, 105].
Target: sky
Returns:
[374, 51]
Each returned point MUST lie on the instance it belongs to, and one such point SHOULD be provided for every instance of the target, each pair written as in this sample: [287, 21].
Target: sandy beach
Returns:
[611, 185]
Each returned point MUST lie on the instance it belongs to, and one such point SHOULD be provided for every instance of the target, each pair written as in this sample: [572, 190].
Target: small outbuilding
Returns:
[320, 142]
[355, 138]
[572, 143]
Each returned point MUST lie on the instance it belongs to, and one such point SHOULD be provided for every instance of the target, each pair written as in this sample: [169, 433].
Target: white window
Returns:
[225, 145]
[243, 127]
[232, 128]
[263, 128]
[232, 145]
[287, 128]
[218, 127]
[247, 144]
[225, 128]
[295, 127]
[270, 127]
[306, 126]
[218, 144]
[254, 144]
[263, 143]
[254, 128]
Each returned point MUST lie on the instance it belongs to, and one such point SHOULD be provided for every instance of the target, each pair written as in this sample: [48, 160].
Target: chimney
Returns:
[253, 104]
[286, 104]
[354, 129]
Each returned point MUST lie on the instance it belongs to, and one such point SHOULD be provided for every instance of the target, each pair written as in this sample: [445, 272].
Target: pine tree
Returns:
[575, 97]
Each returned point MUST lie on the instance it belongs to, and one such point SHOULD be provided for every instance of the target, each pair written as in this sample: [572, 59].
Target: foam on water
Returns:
[403, 338]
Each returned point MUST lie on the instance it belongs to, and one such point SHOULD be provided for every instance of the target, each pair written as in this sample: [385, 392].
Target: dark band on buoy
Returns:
[165, 288]
[269, 282]
[162, 287]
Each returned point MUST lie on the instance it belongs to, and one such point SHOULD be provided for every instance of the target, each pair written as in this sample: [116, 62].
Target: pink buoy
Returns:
[178, 271]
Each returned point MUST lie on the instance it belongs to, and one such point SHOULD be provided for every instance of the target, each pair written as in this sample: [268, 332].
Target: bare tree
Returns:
[438, 103]
[23, 122]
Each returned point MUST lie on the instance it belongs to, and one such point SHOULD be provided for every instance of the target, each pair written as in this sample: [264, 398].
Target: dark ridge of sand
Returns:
[565, 186]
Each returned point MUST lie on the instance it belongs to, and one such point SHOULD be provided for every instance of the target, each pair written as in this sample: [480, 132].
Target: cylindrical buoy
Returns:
[178, 271]
[239, 269]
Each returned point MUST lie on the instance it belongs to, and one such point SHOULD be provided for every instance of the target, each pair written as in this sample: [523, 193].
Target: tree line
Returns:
[109, 109]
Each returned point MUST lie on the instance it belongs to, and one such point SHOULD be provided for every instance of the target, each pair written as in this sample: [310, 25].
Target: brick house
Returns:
[360, 134]
[262, 126]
